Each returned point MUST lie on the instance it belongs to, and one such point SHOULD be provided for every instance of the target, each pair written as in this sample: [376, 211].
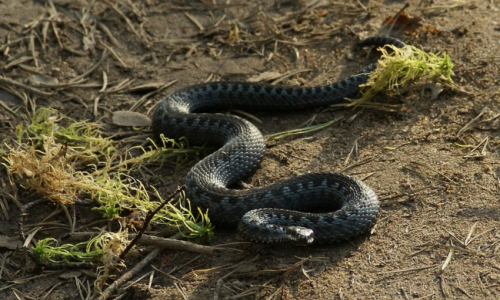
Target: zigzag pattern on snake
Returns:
[282, 211]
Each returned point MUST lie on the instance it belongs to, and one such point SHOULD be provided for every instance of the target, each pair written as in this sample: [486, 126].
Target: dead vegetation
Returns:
[434, 163]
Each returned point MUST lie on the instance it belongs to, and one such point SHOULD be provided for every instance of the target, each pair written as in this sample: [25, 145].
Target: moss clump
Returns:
[402, 67]
[74, 162]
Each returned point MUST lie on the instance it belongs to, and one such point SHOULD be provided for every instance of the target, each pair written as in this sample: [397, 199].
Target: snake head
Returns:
[301, 235]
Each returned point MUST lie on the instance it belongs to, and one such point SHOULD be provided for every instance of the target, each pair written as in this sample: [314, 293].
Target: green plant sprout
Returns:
[401, 67]
[106, 247]
[179, 214]
[46, 251]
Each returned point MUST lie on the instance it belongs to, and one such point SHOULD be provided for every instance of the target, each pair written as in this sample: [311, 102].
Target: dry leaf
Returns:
[130, 118]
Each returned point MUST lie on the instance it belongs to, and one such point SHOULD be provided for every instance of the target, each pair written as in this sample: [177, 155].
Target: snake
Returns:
[320, 208]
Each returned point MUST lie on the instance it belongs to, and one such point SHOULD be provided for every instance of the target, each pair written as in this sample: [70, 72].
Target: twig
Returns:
[111, 37]
[93, 68]
[149, 217]
[444, 287]
[104, 81]
[483, 143]
[361, 5]
[138, 267]
[53, 16]
[115, 55]
[247, 115]
[364, 161]
[406, 270]
[435, 171]
[236, 268]
[149, 240]
[127, 20]
[280, 135]
[194, 20]
[7, 45]
[120, 86]
[18, 61]
[384, 200]
[471, 231]
[354, 150]
[23, 86]
[469, 125]
[394, 19]
[479, 235]
[96, 106]
[447, 261]
[174, 244]
[32, 47]
[144, 98]
[8, 109]
[22, 213]
[56, 33]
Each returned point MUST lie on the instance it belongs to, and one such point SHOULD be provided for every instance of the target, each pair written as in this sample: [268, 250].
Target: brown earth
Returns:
[436, 237]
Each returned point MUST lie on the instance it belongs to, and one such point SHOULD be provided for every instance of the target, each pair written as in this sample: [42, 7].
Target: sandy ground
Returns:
[437, 234]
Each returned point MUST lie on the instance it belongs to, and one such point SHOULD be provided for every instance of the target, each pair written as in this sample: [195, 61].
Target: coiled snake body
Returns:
[278, 212]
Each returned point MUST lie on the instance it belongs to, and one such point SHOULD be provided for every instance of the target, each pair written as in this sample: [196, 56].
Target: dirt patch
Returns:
[436, 237]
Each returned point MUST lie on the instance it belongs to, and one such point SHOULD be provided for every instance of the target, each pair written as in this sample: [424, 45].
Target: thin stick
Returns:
[435, 171]
[364, 161]
[157, 241]
[471, 231]
[469, 125]
[8, 109]
[406, 270]
[32, 48]
[143, 99]
[115, 55]
[105, 55]
[111, 37]
[20, 222]
[479, 235]
[396, 17]
[194, 20]
[138, 267]
[23, 86]
[447, 261]
[127, 20]
[149, 217]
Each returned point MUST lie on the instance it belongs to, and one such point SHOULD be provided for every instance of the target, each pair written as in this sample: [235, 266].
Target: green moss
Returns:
[54, 161]
[402, 67]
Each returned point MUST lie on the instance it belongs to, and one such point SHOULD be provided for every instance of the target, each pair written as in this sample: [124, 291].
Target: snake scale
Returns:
[319, 208]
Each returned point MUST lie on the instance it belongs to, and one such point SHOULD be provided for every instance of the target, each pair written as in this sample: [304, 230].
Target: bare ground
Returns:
[436, 237]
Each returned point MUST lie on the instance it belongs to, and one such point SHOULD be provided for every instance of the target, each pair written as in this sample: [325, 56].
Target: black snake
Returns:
[344, 206]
